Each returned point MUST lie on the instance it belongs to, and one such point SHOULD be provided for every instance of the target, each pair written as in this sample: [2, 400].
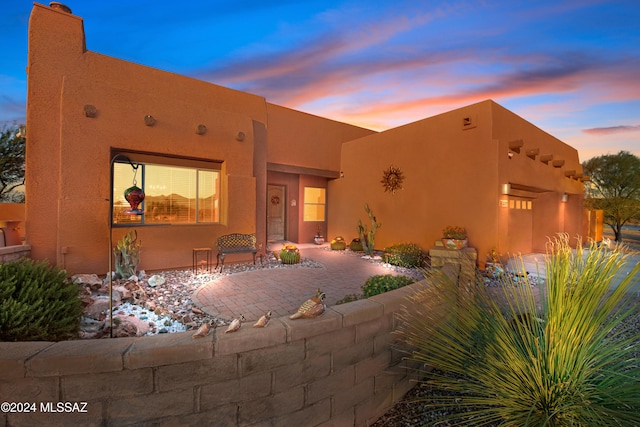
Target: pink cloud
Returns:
[612, 130]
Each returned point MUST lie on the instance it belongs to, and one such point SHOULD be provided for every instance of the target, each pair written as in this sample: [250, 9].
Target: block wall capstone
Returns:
[14, 253]
[339, 369]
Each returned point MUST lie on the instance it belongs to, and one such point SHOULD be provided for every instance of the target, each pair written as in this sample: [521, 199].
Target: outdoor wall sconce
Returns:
[201, 129]
[149, 120]
[341, 174]
[505, 189]
[90, 111]
[565, 198]
[240, 136]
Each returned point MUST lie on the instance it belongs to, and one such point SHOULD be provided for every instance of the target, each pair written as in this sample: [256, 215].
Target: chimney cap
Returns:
[59, 6]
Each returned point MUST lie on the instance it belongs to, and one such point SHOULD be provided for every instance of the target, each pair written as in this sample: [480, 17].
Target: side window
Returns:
[314, 203]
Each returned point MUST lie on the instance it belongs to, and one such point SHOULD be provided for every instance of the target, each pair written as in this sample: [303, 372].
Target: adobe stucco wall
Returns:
[69, 152]
[337, 370]
[453, 176]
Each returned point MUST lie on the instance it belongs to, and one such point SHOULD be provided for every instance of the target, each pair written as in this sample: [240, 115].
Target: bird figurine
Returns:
[263, 321]
[235, 324]
[312, 307]
[204, 329]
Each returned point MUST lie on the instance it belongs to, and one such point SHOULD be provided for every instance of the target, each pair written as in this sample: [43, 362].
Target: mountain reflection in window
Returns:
[174, 195]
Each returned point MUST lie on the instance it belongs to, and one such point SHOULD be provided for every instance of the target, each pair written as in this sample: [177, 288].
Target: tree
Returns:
[614, 187]
[12, 158]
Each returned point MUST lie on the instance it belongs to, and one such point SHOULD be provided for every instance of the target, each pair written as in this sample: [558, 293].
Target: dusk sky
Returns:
[570, 67]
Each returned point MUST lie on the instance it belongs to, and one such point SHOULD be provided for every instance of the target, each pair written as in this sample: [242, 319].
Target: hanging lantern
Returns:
[134, 196]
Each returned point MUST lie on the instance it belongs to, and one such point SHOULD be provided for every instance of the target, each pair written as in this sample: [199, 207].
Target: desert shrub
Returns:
[382, 283]
[407, 255]
[356, 245]
[348, 298]
[506, 359]
[37, 303]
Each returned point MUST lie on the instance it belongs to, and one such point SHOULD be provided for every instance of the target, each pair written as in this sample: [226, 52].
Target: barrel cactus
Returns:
[290, 254]
[338, 244]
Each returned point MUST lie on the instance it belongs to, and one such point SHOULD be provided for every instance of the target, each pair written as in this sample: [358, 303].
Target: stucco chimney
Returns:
[59, 6]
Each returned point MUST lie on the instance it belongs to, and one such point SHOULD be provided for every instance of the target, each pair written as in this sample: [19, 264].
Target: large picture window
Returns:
[314, 203]
[174, 194]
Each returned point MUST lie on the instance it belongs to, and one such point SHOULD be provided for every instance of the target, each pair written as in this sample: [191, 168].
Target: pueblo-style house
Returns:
[214, 161]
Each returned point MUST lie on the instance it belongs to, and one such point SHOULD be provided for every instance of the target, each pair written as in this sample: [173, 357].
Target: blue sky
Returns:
[571, 67]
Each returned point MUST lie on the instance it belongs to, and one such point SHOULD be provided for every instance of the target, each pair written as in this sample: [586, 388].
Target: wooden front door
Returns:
[275, 212]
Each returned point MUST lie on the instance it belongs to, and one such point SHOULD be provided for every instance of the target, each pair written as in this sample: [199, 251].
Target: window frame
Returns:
[145, 160]
[305, 203]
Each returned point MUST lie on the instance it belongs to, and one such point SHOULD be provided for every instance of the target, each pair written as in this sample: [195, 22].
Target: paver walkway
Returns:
[282, 290]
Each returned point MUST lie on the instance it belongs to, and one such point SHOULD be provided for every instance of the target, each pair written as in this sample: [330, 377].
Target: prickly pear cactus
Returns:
[367, 238]
[127, 255]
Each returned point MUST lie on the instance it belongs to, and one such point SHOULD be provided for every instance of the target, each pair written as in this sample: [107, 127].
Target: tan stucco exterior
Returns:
[454, 173]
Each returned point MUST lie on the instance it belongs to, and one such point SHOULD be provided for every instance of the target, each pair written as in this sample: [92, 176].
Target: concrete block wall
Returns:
[14, 253]
[340, 369]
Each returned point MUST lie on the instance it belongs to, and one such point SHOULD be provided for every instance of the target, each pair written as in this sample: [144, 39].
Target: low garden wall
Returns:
[14, 253]
[340, 369]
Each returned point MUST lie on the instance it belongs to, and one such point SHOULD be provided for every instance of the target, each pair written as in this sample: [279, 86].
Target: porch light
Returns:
[505, 189]
[565, 198]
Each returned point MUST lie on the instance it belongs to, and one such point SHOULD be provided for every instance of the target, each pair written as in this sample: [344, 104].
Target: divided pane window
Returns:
[314, 203]
[173, 194]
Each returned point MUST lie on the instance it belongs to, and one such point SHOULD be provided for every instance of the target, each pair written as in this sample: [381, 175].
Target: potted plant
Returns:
[319, 238]
[454, 237]
[289, 254]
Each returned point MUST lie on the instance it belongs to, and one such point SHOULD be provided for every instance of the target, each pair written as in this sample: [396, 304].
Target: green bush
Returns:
[407, 255]
[356, 245]
[37, 303]
[348, 298]
[382, 283]
[567, 359]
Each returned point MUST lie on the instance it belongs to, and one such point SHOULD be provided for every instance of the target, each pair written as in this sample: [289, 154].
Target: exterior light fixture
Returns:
[149, 120]
[565, 198]
[505, 189]
[240, 136]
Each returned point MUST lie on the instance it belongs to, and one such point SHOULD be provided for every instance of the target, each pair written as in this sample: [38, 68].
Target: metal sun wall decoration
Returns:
[392, 179]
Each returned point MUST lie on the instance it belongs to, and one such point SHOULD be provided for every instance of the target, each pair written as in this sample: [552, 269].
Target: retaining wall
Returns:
[340, 369]
[14, 253]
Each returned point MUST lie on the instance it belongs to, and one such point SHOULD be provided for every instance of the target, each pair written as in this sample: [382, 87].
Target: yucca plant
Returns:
[567, 359]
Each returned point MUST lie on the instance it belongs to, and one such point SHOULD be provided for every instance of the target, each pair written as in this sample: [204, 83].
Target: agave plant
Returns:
[567, 358]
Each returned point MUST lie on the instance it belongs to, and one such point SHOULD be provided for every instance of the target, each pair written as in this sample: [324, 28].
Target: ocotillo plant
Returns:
[367, 238]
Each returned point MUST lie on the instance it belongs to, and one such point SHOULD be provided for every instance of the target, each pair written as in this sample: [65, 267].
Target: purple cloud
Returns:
[612, 129]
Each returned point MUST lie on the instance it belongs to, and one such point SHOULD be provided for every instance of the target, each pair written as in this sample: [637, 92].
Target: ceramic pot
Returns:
[454, 243]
